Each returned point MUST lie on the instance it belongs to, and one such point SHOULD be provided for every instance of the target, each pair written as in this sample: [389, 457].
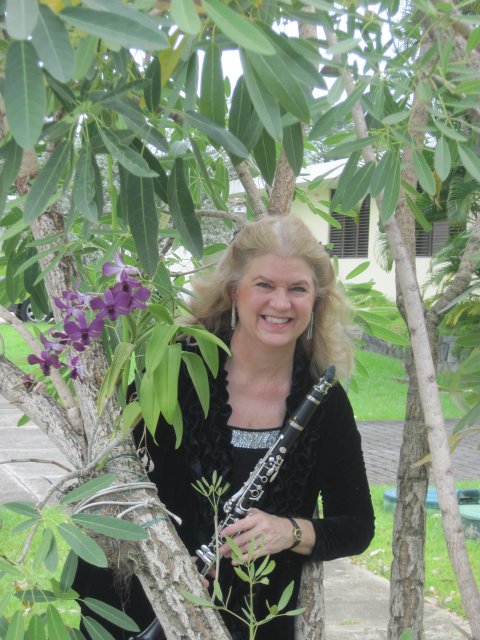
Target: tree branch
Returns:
[43, 410]
[251, 189]
[223, 215]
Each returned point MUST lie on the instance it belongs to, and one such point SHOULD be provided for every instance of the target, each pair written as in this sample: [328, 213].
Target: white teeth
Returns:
[275, 320]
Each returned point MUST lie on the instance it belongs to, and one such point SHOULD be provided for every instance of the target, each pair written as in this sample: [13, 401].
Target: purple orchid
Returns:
[72, 304]
[76, 368]
[81, 333]
[46, 361]
[139, 297]
[56, 347]
[118, 267]
[112, 305]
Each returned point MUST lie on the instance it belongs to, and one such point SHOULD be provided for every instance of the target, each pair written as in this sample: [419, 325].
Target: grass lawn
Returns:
[440, 582]
[382, 395]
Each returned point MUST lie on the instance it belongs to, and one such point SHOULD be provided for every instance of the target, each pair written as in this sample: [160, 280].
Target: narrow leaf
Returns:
[363, 266]
[10, 170]
[36, 629]
[149, 402]
[83, 545]
[88, 489]
[293, 145]
[212, 89]
[52, 44]
[83, 193]
[122, 354]
[359, 186]
[267, 108]
[46, 183]
[280, 84]
[143, 220]
[69, 570]
[470, 161]
[152, 93]
[219, 135]
[24, 93]
[116, 28]
[449, 132]
[111, 614]
[23, 508]
[343, 46]
[158, 343]
[55, 625]
[110, 526]
[16, 628]
[391, 192]
[182, 210]
[442, 159]
[244, 33]
[184, 14]
[380, 175]
[424, 173]
[199, 376]
[265, 154]
[20, 18]
[127, 157]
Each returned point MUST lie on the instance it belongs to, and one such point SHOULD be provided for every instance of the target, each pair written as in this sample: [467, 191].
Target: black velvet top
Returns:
[325, 459]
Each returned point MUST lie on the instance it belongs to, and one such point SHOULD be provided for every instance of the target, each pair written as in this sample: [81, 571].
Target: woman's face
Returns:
[275, 298]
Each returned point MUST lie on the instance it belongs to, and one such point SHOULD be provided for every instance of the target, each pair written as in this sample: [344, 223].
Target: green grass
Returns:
[14, 347]
[382, 395]
[440, 581]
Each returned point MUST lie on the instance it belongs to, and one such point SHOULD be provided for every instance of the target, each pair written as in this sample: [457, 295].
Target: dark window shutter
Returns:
[351, 241]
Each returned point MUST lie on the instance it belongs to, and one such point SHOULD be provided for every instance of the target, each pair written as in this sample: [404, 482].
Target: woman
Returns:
[274, 300]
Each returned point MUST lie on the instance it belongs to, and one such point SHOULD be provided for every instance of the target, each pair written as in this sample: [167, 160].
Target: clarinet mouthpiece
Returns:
[330, 373]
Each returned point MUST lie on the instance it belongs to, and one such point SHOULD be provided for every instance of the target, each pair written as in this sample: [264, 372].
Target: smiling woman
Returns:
[274, 300]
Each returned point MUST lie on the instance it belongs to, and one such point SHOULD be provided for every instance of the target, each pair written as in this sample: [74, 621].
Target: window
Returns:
[427, 242]
[351, 241]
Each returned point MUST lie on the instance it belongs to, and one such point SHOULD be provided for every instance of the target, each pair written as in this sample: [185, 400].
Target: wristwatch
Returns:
[296, 532]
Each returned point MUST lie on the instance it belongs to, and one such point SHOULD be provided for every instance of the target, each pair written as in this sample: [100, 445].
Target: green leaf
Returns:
[95, 630]
[184, 14]
[293, 145]
[36, 629]
[286, 595]
[328, 120]
[24, 94]
[212, 88]
[363, 266]
[161, 181]
[470, 161]
[43, 548]
[243, 121]
[122, 354]
[244, 33]
[380, 175]
[380, 331]
[473, 39]
[111, 614]
[116, 28]
[52, 44]
[449, 132]
[209, 185]
[182, 210]
[198, 600]
[166, 380]
[34, 596]
[424, 173]
[395, 118]
[142, 217]
[131, 416]
[23, 508]
[88, 489]
[85, 54]
[265, 154]
[149, 401]
[442, 159]
[199, 376]
[208, 344]
[127, 157]
[20, 18]
[9, 568]
[218, 134]
[468, 86]
[11, 166]
[391, 192]
[51, 559]
[158, 343]
[55, 625]
[69, 571]
[16, 629]
[83, 545]
[153, 92]
[46, 183]
[344, 149]
[266, 107]
[83, 192]
[110, 526]
[343, 46]
[359, 186]
[276, 79]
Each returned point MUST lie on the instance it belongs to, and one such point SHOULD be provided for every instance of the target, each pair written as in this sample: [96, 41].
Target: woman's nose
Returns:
[280, 299]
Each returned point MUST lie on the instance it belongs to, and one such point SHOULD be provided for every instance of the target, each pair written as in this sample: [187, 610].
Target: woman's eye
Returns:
[264, 285]
[299, 289]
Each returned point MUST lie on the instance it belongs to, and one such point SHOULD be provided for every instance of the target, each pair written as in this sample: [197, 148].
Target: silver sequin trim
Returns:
[249, 439]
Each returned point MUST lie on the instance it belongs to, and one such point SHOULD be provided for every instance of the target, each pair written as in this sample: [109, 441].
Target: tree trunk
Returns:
[311, 624]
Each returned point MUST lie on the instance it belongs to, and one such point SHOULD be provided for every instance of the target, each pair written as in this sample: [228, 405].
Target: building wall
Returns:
[384, 281]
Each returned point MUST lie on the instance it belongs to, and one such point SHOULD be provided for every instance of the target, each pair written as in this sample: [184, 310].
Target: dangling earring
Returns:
[233, 319]
[310, 327]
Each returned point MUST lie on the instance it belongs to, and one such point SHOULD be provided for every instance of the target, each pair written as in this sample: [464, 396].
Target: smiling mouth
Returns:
[275, 320]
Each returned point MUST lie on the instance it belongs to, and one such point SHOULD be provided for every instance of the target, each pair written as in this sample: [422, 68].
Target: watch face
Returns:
[297, 534]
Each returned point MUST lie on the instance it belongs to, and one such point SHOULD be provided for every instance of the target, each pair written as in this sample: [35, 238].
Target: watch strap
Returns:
[297, 532]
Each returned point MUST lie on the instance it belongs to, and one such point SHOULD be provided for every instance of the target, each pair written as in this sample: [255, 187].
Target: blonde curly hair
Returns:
[284, 236]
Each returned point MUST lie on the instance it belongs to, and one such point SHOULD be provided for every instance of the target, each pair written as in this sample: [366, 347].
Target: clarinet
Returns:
[267, 467]
[253, 490]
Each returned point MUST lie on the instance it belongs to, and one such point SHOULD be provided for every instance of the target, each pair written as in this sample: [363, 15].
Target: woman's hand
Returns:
[272, 534]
